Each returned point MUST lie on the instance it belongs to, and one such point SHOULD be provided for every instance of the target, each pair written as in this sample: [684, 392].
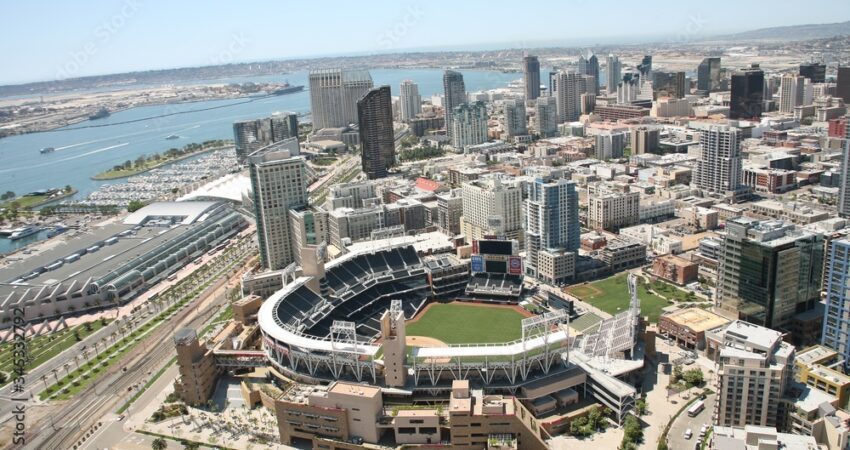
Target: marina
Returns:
[81, 152]
[163, 182]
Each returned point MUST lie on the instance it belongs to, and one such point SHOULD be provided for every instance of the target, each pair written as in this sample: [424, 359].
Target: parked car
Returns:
[688, 433]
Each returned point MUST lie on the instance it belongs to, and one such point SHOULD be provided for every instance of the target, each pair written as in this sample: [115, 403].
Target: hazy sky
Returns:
[44, 40]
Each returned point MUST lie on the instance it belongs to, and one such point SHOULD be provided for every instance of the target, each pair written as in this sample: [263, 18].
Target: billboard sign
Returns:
[515, 265]
[477, 263]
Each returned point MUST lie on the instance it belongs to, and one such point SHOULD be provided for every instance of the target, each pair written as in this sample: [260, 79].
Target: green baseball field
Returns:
[459, 323]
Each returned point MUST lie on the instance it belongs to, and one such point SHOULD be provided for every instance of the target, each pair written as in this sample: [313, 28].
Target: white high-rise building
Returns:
[410, 102]
[454, 95]
[515, 123]
[719, 167]
[610, 144]
[334, 94]
[546, 115]
[754, 369]
[469, 125]
[279, 183]
[836, 327]
[791, 93]
[844, 189]
[569, 86]
[552, 226]
[492, 205]
[614, 73]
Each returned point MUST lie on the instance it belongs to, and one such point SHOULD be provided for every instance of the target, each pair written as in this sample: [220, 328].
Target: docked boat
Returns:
[47, 150]
[57, 230]
[100, 114]
[288, 89]
[23, 232]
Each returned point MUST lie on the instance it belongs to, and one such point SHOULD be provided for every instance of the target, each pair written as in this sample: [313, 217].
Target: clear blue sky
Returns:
[44, 40]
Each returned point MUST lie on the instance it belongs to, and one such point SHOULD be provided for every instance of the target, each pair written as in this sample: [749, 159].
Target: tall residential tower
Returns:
[377, 141]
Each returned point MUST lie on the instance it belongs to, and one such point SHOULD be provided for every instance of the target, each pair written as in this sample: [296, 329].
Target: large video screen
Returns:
[496, 266]
[493, 247]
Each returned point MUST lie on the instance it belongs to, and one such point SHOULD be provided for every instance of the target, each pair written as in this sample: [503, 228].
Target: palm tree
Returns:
[56, 377]
[66, 366]
[44, 380]
[159, 444]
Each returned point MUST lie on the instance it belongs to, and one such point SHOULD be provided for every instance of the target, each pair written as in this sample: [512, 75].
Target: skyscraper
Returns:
[836, 323]
[491, 200]
[547, 117]
[816, 73]
[531, 77]
[283, 125]
[668, 84]
[708, 75]
[334, 94]
[791, 90]
[515, 123]
[377, 140]
[254, 134]
[469, 125]
[454, 95]
[614, 73]
[719, 167]
[410, 100]
[769, 272]
[278, 184]
[644, 139]
[551, 226]
[844, 189]
[747, 99]
[590, 66]
[645, 67]
[568, 89]
[842, 84]
[248, 137]
[610, 144]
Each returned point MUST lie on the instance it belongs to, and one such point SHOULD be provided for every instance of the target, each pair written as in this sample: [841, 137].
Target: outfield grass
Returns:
[456, 323]
[612, 296]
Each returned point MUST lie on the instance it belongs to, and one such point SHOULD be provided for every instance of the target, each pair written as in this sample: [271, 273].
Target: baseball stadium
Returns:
[391, 318]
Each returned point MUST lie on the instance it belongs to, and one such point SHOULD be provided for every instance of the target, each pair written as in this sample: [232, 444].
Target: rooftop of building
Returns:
[105, 246]
[811, 399]
[814, 355]
[352, 389]
[186, 212]
[697, 319]
[751, 334]
[751, 437]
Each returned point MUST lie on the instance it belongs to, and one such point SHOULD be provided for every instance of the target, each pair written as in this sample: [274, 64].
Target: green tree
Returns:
[67, 188]
[632, 432]
[8, 195]
[135, 205]
[159, 444]
[640, 406]
[693, 377]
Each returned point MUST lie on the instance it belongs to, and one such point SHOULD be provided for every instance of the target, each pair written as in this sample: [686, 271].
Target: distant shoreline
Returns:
[105, 175]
